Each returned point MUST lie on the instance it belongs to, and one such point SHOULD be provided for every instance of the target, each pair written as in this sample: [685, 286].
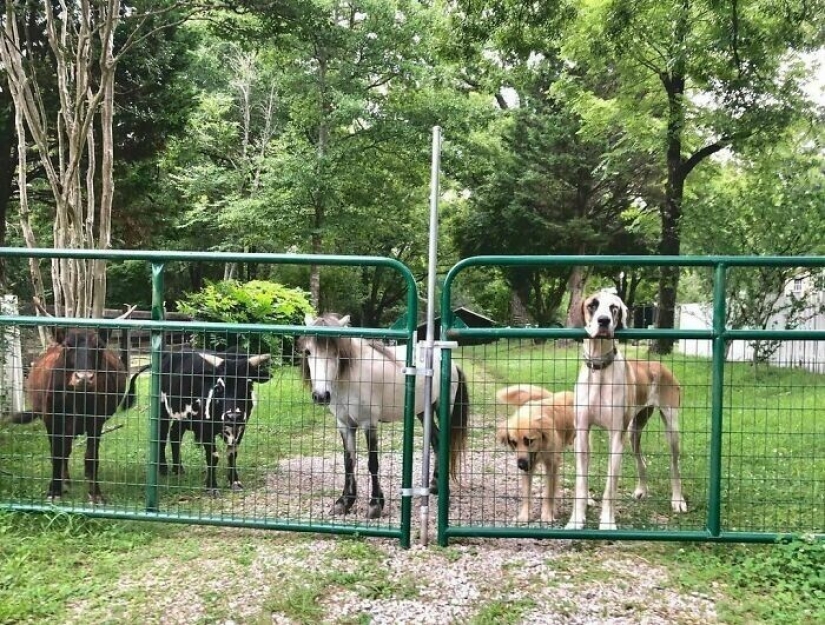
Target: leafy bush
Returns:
[258, 302]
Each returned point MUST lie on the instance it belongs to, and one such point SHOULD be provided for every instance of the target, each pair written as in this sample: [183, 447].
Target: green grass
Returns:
[772, 465]
[773, 468]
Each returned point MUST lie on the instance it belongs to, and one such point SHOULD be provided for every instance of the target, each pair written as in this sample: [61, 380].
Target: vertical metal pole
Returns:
[429, 342]
[714, 523]
[154, 394]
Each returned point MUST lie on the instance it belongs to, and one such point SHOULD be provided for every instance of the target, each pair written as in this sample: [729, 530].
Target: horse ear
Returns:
[309, 319]
[344, 320]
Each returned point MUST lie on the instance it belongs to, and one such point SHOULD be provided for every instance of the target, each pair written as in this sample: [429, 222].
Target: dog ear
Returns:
[623, 314]
[503, 435]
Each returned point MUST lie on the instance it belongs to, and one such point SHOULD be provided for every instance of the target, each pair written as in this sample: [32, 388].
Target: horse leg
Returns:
[175, 437]
[377, 497]
[92, 460]
[434, 443]
[211, 452]
[344, 503]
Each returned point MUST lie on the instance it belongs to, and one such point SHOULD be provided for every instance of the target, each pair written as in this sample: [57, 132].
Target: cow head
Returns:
[231, 399]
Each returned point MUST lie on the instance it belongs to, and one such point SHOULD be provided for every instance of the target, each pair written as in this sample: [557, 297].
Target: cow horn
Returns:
[212, 359]
[126, 315]
[254, 361]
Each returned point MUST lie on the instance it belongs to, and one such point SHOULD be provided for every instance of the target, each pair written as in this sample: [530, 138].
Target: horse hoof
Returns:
[214, 493]
[433, 488]
[54, 497]
[339, 509]
[375, 511]
[163, 469]
[236, 486]
[96, 500]
[178, 470]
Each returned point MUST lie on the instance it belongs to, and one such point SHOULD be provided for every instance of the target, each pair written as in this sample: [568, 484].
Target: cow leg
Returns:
[211, 452]
[60, 429]
[344, 503]
[163, 434]
[92, 460]
[434, 443]
[377, 497]
[231, 459]
[175, 438]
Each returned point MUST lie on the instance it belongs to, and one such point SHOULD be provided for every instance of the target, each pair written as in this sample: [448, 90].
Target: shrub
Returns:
[259, 302]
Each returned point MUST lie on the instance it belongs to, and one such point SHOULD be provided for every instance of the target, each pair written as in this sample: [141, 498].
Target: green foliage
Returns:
[258, 302]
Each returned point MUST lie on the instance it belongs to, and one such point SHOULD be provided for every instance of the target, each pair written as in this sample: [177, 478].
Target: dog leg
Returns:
[526, 488]
[614, 469]
[551, 479]
[581, 446]
[636, 428]
[671, 419]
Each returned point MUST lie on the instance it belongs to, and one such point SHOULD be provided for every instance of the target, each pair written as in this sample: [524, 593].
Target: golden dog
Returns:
[538, 432]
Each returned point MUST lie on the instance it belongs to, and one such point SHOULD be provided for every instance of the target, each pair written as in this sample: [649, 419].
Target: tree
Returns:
[694, 77]
[74, 144]
[750, 209]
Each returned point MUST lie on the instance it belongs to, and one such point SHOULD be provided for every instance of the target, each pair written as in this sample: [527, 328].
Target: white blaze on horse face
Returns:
[323, 369]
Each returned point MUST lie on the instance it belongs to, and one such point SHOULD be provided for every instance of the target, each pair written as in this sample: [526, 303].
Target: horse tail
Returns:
[129, 398]
[458, 423]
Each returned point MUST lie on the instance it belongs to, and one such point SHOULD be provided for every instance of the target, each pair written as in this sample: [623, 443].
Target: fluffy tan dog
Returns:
[538, 432]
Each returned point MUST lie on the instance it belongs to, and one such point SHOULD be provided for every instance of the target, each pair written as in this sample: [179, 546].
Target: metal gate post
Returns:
[714, 523]
[152, 464]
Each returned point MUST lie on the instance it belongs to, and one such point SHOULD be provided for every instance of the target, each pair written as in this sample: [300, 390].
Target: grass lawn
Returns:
[773, 467]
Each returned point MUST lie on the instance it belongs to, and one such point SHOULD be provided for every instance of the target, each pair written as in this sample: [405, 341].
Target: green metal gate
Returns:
[290, 459]
[753, 458]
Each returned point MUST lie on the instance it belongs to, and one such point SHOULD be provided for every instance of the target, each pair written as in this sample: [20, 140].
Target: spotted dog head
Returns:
[603, 314]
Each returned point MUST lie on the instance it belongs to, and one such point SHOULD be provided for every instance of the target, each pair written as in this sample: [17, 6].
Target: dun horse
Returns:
[362, 382]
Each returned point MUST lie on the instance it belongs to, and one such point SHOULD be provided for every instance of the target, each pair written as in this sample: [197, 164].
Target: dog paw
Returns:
[574, 524]
[521, 517]
[640, 492]
[591, 502]
[548, 518]
[608, 525]
[678, 504]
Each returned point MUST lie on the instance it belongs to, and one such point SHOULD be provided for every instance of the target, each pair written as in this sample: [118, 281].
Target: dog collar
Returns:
[595, 364]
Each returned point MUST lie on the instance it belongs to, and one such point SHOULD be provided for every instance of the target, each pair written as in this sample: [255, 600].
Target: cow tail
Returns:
[129, 398]
[19, 418]
[458, 424]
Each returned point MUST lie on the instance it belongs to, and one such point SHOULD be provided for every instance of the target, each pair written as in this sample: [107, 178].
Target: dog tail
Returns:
[459, 424]
[520, 394]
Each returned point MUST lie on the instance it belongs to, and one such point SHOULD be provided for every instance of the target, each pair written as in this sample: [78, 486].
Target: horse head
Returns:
[323, 357]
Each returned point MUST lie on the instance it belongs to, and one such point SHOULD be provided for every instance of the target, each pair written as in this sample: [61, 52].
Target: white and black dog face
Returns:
[603, 314]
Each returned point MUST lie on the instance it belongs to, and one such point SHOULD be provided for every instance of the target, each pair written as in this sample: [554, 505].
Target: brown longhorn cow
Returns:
[75, 386]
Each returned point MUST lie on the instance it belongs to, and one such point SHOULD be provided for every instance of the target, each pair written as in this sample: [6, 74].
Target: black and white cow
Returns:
[211, 394]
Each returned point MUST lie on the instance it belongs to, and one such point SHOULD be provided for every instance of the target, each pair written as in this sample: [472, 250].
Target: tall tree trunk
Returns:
[575, 286]
[320, 196]
[671, 209]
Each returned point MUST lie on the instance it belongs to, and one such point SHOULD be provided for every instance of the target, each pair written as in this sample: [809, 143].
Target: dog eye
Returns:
[527, 442]
[593, 305]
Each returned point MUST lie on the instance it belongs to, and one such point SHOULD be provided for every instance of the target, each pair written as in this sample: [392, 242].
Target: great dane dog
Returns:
[619, 395]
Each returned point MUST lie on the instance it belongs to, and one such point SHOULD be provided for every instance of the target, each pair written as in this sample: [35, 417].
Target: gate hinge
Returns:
[417, 371]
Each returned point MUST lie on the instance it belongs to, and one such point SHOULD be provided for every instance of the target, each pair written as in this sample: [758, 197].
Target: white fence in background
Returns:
[809, 355]
[11, 361]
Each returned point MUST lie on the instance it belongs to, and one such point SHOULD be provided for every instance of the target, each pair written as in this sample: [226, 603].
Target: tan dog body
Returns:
[619, 395]
[539, 430]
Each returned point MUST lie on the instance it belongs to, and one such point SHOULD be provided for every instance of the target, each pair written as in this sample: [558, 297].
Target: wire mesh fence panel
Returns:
[509, 441]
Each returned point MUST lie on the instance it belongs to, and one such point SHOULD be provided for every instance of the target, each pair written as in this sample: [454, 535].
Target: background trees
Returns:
[571, 128]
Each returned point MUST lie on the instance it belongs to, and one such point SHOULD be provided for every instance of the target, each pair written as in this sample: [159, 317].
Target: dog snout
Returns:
[604, 321]
[523, 464]
[320, 398]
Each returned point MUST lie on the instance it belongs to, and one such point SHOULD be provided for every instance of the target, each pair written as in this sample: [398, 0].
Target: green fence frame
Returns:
[451, 330]
[157, 325]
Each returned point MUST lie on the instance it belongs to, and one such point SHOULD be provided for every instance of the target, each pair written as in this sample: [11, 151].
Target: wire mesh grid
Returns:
[290, 460]
[288, 450]
[773, 462]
